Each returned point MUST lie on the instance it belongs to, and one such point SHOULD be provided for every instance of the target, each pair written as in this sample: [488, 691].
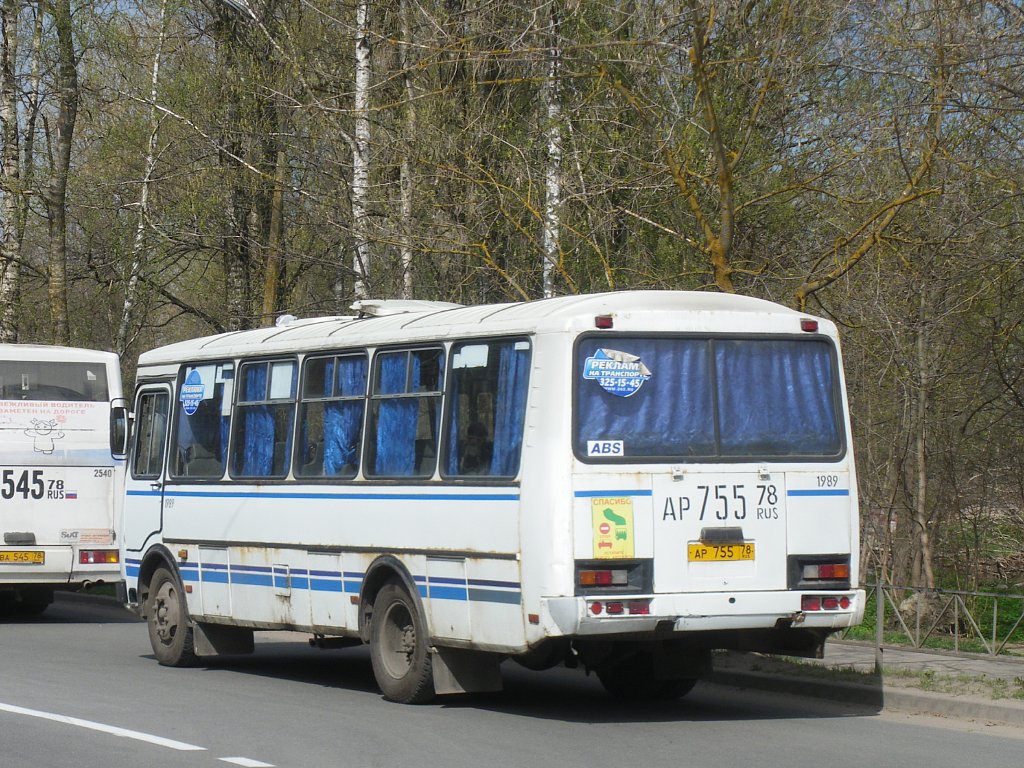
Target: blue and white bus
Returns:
[623, 481]
[60, 486]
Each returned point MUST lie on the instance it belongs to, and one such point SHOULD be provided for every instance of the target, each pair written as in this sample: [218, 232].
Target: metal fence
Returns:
[994, 620]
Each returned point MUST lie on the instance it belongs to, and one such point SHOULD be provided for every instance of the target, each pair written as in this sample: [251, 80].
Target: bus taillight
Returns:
[826, 572]
[603, 578]
[96, 556]
[813, 603]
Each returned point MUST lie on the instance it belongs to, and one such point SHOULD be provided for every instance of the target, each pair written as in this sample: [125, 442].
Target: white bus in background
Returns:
[623, 481]
[59, 483]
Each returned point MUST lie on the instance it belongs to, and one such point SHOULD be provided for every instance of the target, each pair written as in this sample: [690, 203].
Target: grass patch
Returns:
[926, 680]
[957, 685]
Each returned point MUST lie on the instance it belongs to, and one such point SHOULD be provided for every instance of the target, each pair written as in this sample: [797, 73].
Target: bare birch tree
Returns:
[10, 168]
[138, 253]
[361, 263]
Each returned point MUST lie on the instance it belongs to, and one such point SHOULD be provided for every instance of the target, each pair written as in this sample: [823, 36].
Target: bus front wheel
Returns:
[170, 631]
[399, 648]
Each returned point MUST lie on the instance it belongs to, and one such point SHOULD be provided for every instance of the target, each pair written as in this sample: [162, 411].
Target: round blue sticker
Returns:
[192, 392]
[619, 373]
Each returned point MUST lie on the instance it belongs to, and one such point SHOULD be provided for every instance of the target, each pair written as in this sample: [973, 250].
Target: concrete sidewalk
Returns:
[967, 681]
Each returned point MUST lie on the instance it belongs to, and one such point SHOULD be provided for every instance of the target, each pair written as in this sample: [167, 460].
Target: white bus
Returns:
[59, 482]
[623, 481]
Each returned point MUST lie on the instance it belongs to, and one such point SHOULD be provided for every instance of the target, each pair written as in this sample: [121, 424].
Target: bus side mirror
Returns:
[118, 430]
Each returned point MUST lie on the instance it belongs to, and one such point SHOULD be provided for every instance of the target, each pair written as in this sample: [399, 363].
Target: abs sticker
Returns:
[610, 448]
[619, 373]
[192, 392]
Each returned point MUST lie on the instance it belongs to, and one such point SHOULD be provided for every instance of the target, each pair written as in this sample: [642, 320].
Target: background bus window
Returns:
[264, 416]
[46, 380]
[204, 408]
[405, 413]
[487, 404]
[331, 416]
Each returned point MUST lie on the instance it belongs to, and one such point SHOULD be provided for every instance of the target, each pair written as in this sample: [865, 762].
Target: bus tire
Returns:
[399, 647]
[634, 680]
[33, 601]
[170, 629]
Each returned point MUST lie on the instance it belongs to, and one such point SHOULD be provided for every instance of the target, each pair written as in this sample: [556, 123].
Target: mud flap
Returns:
[461, 671]
[217, 639]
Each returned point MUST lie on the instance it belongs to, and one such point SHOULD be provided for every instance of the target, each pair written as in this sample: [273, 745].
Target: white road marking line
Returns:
[111, 729]
[246, 762]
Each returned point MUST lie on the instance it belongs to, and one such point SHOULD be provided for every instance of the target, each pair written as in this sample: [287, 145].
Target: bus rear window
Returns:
[57, 381]
[684, 398]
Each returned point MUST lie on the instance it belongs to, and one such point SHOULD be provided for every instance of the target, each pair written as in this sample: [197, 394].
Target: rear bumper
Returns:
[59, 568]
[706, 612]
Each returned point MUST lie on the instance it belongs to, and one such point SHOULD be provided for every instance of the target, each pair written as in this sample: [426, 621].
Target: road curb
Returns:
[1008, 711]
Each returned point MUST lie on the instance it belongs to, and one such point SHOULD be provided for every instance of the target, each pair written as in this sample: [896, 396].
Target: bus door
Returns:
[144, 496]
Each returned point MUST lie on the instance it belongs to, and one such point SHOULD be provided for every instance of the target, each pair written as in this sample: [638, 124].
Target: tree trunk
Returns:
[275, 241]
[924, 558]
[553, 169]
[138, 255]
[56, 193]
[406, 182]
[361, 155]
[10, 250]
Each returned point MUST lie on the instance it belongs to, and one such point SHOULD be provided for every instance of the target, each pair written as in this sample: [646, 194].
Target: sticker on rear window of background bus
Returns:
[192, 391]
[619, 373]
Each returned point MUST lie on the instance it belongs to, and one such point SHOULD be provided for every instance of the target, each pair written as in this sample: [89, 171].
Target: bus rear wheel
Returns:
[170, 630]
[399, 648]
[634, 679]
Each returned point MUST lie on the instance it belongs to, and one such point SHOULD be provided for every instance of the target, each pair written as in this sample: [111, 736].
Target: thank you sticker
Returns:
[613, 527]
[192, 392]
[619, 373]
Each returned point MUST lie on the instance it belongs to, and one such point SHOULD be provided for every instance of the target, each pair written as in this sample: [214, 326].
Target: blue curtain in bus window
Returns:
[513, 378]
[225, 429]
[343, 420]
[258, 451]
[670, 414]
[776, 398]
[396, 419]
[451, 464]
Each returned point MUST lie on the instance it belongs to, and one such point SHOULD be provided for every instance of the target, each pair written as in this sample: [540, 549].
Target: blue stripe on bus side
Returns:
[494, 596]
[438, 588]
[438, 592]
[330, 496]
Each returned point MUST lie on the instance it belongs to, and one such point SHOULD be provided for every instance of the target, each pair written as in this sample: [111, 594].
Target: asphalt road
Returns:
[78, 686]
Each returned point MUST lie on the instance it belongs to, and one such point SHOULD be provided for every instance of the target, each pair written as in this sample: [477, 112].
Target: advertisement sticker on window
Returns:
[192, 391]
[618, 373]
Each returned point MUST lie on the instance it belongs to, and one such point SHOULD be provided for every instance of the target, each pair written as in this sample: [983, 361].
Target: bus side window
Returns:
[264, 415]
[201, 436]
[151, 428]
[487, 406]
[405, 413]
[331, 416]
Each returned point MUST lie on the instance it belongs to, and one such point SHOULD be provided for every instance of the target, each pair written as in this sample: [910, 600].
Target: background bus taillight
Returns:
[95, 556]
[604, 578]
